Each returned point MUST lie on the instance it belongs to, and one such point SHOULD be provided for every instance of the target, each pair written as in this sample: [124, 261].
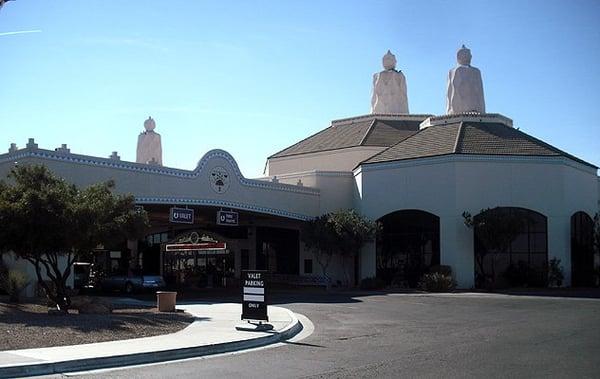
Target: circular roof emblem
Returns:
[219, 179]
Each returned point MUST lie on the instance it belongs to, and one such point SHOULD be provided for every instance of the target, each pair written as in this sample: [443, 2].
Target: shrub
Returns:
[371, 283]
[441, 269]
[437, 282]
[13, 283]
[519, 275]
[555, 273]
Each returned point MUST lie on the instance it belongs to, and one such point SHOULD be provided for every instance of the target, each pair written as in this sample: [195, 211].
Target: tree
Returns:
[352, 230]
[343, 232]
[319, 236]
[496, 228]
[44, 219]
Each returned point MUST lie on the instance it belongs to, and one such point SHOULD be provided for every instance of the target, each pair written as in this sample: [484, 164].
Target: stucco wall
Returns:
[448, 186]
[336, 188]
[12, 263]
[333, 160]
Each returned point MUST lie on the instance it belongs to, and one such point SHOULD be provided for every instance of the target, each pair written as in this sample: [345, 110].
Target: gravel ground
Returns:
[29, 325]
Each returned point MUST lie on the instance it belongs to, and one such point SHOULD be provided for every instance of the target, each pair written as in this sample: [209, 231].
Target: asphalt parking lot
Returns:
[415, 335]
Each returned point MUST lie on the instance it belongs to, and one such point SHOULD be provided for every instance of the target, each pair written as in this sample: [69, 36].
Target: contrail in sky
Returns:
[19, 32]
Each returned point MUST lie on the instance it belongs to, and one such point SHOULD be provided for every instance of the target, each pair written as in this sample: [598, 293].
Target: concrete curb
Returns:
[48, 368]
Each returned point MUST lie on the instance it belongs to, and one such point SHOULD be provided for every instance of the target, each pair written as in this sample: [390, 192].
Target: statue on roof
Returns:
[465, 87]
[149, 147]
[389, 88]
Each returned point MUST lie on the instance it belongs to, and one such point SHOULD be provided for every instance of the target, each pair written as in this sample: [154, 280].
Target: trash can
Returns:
[166, 301]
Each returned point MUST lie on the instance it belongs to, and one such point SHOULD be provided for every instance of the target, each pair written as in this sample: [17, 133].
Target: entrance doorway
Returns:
[197, 259]
[277, 250]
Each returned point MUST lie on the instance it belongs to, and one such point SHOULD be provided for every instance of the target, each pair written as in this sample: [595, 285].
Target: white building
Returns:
[416, 174]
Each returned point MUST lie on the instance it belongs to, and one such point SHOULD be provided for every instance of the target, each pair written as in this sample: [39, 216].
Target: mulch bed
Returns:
[28, 325]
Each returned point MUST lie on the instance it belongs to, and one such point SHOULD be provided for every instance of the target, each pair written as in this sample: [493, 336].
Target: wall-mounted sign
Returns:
[254, 295]
[219, 179]
[181, 216]
[227, 218]
[196, 246]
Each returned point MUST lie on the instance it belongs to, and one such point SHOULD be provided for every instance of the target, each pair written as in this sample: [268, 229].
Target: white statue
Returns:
[149, 147]
[465, 87]
[389, 88]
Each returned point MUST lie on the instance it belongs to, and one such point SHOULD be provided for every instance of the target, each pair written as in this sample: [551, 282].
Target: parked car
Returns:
[131, 282]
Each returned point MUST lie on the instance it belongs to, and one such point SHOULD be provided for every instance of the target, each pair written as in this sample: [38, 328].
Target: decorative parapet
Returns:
[63, 149]
[381, 116]
[33, 151]
[31, 145]
[466, 117]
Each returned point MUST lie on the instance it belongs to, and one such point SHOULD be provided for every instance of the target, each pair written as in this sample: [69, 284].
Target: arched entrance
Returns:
[408, 245]
[197, 258]
[582, 250]
[511, 248]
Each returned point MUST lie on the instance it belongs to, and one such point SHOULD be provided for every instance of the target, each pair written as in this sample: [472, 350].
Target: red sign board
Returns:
[196, 246]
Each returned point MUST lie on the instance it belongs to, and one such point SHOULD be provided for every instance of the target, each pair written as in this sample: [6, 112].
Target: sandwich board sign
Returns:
[254, 295]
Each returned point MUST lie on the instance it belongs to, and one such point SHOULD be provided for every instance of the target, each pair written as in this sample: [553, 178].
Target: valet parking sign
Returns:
[181, 216]
[254, 296]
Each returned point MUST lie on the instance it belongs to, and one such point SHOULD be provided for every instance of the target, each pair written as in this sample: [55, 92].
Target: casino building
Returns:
[414, 173]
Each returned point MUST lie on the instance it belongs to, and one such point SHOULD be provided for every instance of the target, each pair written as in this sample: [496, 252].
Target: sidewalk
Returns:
[212, 332]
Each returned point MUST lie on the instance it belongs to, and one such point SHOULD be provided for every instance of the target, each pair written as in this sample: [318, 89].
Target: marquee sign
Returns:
[196, 246]
[254, 295]
[227, 218]
[181, 216]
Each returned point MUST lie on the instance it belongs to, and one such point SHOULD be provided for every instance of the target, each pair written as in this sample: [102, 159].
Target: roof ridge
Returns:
[460, 131]
[324, 151]
[369, 129]
[299, 142]
[388, 148]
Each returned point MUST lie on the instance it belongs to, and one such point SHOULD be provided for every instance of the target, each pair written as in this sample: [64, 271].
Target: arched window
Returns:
[511, 256]
[408, 246]
[582, 250]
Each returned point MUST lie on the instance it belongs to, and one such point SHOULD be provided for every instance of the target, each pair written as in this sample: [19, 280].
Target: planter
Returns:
[165, 301]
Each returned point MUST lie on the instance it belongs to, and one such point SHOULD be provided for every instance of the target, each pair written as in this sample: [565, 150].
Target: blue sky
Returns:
[253, 77]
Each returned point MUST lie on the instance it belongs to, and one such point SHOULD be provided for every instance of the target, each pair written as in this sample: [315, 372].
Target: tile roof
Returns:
[390, 132]
[481, 138]
[361, 131]
[435, 140]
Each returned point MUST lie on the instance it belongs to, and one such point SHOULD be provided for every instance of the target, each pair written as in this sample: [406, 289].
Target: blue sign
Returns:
[181, 216]
[227, 218]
